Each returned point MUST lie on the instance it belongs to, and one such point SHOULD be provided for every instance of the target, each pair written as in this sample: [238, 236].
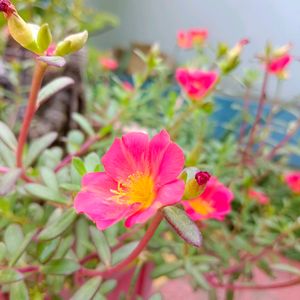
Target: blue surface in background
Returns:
[228, 109]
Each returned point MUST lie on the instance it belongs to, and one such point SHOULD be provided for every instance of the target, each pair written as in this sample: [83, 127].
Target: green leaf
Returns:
[83, 123]
[46, 249]
[13, 238]
[9, 276]
[92, 162]
[49, 178]
[82, 237]
[164, 269]
[183, 225]
[3, 251]
[18, 291]
[156, 296]
[88, 290]
[44, 193]
[52, 88]
[286, 268]
[101, 245]
[8, 181]
[79, 166]
[15, 257]
[38, 146]
[123, 252]
[64, 246]
[60, 226]
[7, 155]
[107, 286]
[61, 267]
[7, 136]
[70, 187]
[54, 61]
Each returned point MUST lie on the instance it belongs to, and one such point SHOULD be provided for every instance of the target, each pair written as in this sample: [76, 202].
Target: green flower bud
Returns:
[44, 37]
[195, 182]
[71, 44]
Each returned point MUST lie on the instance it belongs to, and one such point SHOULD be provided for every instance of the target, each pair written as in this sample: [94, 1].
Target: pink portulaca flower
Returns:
[278, 65]
[192, 37]
[196, 83]
[258, 196]
[213, 203]
[128, 87]
[140, 177]
[108, 64]
[292, 179]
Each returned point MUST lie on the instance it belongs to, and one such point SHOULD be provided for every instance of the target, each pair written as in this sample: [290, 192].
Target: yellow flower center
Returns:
[137, 188]
[202, 207]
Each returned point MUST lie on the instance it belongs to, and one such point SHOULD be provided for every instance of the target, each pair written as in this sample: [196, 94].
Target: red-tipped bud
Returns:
[202, 177]
[195, 182]
[7, 7]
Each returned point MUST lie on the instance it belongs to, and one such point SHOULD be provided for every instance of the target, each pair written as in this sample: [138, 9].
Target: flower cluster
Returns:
[191, 38]
[196, 83]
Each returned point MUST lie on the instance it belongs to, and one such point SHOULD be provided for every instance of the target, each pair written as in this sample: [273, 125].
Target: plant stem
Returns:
[270, 117]
[84, 148]
[278, 285]
[245, 110]
[37, 79]
[135, 253]
[261, 104]
[284, 141]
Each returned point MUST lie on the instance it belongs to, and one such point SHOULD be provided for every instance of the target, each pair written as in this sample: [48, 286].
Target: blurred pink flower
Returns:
[140, 177]
[258, 196]
[213, 203]
[278, 65]
[292, 179]
[196, 83]
[108, 64]
[192, 37]
[127, 86]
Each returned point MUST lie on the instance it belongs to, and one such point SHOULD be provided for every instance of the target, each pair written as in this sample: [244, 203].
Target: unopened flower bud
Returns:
[195, 182]
[232, 59]
[72, 43]
[44, 37]
[22, 32]
[7, 8]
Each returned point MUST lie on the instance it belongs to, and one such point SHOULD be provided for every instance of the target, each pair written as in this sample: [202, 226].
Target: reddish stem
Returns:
[245, 109]
[84, 148]
[283, 142]
[28, 269]
[135, 253]
[260, 108]
[37, 79]
[278, 285]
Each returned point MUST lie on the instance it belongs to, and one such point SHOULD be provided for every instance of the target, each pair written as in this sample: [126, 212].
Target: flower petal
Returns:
[127, 156]
[95, 201]
[165, 158]
[169, 194]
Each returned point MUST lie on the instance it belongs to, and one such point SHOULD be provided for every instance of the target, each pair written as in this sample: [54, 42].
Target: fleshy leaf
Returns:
[62, 223]
[52, 88]
[183, 225]
[88, 290]
[54, 61]
[101, 245]
[61, 267]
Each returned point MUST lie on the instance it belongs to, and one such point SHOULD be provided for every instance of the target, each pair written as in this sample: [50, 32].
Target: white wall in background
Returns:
[228, 20]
